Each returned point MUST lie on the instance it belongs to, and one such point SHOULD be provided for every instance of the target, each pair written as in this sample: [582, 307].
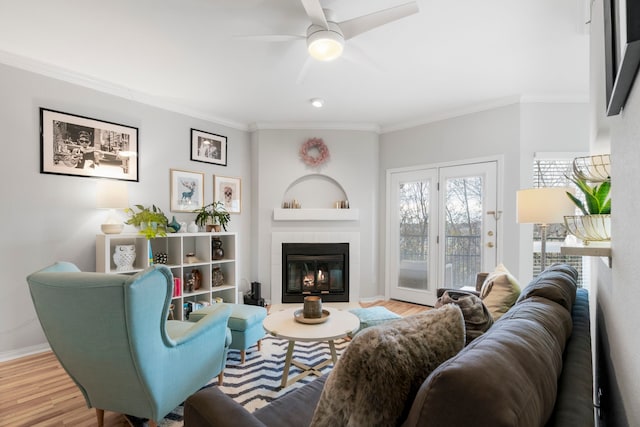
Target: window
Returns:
[553, 172]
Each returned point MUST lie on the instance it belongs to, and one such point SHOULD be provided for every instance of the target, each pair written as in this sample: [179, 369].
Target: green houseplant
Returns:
[597, 200]
[595, 223]
[152, 222]
[214, 214]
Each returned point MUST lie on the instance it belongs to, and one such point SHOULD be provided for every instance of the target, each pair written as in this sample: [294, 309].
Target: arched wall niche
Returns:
[315, 191]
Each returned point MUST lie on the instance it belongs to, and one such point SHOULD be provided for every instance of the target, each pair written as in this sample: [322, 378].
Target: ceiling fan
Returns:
[325, 37]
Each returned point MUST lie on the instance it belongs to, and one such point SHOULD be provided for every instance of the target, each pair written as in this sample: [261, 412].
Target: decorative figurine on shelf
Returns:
[190, 258]
[124, 256]
[216, 250]
[192, 280]
[174, 225]
[192, 227]
[160, 258]
[217, 278]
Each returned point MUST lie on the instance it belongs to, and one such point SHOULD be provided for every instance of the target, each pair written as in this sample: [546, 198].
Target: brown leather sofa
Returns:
[531, 368]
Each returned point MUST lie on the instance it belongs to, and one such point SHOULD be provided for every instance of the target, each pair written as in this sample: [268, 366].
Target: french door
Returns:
[441, 229]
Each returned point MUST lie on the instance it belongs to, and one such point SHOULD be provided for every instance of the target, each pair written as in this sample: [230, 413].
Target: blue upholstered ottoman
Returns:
[371, 316]
[245, 324]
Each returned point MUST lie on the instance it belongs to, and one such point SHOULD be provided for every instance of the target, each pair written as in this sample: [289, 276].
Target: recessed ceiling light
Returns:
[317, 102]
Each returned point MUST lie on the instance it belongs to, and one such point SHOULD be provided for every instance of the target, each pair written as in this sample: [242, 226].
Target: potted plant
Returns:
[151, 221]
[213, 215]
[595, 224]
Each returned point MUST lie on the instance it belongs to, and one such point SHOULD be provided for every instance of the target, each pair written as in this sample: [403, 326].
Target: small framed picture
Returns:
[208, 147]
[227, 190]
[187, 190]
[80, 146]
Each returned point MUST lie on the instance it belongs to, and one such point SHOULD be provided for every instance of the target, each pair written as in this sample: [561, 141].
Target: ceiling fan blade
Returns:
[315, 12]
[353, 27]
[272, 37]
[304, 70]
[357, 56]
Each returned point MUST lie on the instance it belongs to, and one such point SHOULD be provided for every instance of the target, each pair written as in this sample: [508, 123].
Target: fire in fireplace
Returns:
[320, 269]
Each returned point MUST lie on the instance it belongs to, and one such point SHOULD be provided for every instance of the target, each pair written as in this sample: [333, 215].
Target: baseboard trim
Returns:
[22, 352]
[372, 299]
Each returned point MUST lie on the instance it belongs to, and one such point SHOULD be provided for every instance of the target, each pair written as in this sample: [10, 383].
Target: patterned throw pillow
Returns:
[380, 372]
[477, 319]
[500, 291]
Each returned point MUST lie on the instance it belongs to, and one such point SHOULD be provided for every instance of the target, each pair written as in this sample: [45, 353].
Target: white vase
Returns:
[192, 227]
[124, 256]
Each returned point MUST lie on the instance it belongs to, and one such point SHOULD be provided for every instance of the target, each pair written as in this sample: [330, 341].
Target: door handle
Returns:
[490, 245]
[496, 214]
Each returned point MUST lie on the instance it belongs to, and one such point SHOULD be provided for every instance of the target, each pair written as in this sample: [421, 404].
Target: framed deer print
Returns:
[187, 190]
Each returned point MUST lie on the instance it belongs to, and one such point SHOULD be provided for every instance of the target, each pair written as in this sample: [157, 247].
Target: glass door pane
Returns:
[414, 234]
[463, 224]
[413, 229]
[467, 229]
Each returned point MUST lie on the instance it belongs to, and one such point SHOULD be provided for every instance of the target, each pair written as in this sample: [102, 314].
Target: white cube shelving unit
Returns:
[177, 246]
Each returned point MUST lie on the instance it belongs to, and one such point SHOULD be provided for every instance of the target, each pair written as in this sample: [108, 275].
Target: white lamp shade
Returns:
[548, 205]
[112, 194]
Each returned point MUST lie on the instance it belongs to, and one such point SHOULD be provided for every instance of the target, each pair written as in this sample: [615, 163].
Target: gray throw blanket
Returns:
[477, 319]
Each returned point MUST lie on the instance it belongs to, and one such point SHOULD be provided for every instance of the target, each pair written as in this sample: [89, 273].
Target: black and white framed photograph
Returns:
[228, 191]
[187, 190]
[208, 147]
[81, 146]
[622, 51]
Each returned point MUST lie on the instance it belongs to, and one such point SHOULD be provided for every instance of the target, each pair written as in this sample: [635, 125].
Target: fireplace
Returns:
[320, 269]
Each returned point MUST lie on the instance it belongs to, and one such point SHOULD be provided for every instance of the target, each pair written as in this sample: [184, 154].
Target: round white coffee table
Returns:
[282, 324]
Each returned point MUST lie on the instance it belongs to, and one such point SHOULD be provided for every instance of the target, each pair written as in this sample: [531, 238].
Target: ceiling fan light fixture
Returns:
[325, 45]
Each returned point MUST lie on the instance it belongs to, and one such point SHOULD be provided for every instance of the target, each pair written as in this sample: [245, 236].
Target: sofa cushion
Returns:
[379, 373]
[477, 319]
[294, 409]
[506, 377]
[557, 283]
[499, 291]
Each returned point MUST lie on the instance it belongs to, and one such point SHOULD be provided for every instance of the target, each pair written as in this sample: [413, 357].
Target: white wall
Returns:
[617, 293]
[548, 128]
[514, 132]
[353, 164]
[47, 218]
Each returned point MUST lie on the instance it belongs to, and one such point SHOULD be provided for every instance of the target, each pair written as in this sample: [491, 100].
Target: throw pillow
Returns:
[382, 369]
[499, 291]
[477, 319]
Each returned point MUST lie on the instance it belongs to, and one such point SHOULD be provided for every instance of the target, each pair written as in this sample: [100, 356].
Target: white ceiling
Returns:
[453, 56]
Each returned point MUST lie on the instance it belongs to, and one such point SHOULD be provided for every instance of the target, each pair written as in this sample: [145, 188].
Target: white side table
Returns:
[281, 324]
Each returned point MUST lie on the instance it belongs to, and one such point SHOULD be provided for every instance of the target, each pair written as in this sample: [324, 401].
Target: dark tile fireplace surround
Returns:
[320, 269]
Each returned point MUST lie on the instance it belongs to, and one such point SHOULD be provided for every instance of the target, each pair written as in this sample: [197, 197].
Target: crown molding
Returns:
[490, 105]
[79, 79]
[69, 76]
[364, 127]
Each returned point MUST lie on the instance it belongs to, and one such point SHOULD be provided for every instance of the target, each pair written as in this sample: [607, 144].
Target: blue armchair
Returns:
[111, 334]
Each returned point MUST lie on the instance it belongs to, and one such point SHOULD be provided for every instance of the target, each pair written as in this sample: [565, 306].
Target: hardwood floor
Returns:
[36, 391]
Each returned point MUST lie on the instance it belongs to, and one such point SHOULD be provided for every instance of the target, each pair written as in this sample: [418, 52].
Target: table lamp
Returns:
[543, 206]
[112, 195]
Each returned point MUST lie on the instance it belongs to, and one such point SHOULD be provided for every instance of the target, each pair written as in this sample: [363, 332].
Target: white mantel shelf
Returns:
[599, 250]
[316, 214]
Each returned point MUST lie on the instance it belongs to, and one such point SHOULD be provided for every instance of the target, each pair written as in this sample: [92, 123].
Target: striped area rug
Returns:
[257, 382]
